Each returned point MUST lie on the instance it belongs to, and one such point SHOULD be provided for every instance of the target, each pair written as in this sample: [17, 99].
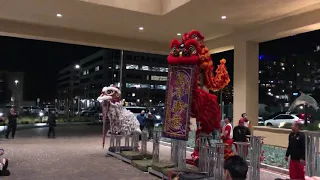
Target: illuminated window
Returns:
[159, 78]
[145, 68]
[162, 87]
[159, 69]
[86, 72]
[97, 68]
[137, 85]
[117, 66]
[132, 66]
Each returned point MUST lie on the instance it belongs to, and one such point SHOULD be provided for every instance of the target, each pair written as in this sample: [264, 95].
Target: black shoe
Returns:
[7, 137]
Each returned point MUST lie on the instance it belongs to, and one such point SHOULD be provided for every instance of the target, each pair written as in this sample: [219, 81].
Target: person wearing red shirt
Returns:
[226, 136]
[244, 117]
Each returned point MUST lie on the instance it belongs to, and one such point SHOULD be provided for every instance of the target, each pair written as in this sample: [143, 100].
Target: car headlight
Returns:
[1, 114]
[40, 114]
[158, 117]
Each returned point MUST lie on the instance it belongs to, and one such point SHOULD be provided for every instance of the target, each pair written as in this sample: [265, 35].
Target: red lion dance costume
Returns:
[205, 108]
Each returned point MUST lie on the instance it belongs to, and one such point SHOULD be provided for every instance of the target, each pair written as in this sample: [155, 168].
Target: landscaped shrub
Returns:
[24, 122]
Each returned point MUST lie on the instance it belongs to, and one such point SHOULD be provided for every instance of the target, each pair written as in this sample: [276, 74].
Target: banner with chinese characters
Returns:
[178, 102]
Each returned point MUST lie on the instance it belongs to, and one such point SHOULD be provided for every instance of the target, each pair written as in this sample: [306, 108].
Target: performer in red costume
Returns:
[205, 108]
[227, 138]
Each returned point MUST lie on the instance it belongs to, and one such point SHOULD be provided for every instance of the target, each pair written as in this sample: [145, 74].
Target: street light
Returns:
[77, 66]
[16, 81]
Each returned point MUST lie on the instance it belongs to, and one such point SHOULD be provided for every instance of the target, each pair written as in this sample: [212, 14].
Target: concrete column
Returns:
[246, 77]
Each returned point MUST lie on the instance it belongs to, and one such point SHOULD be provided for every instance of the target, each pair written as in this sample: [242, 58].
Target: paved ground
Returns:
[75, 154]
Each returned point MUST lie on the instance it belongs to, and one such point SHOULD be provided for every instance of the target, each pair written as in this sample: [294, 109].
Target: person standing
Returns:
[142, 119]
[244, 117]
[52, 124]
[12, 124]
[240, 133]
[227, 136]
[296, 152]
[150, 124]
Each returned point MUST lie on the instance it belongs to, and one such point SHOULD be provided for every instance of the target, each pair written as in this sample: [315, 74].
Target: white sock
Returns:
[1, 166]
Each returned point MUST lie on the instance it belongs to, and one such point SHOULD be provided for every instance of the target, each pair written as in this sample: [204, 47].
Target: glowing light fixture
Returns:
[140, 28]
[59, 15]
[223, 17]
[178, 34]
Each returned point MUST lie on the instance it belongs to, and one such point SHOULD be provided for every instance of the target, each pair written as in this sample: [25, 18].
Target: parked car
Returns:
[282, 119]
[261, 121]
[34, 110]
[91, 111]
[49, 108]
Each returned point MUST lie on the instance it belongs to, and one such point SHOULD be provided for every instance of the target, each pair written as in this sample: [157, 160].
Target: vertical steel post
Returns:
[121, 72]
[255, 162]
[156, 145]
[312, 153]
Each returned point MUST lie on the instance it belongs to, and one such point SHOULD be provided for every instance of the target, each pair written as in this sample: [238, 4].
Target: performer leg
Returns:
[8, 130]
[14, 127]
[296, 169]
[54, 132]
[49, 131]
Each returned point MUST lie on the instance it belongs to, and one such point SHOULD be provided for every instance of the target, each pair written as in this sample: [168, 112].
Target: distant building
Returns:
[280, 79]
[144, 75]
[11, 87]
[68, 84]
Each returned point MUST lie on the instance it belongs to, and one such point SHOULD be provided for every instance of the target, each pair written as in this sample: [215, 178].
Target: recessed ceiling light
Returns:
[223, 17]
[140, 28]
[59, 15]
[179, 34]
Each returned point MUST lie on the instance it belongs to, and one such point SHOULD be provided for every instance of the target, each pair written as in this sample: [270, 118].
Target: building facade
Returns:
[281, 79]
[11, 87]
[141, 77]
[68, 84]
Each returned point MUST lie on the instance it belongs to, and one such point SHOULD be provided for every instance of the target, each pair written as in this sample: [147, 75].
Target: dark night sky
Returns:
[42, 60]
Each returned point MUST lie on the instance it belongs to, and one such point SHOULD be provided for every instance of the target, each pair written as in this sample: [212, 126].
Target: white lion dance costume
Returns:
[122, 121]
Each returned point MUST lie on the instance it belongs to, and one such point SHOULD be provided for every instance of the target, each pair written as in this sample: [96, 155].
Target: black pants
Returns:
[141, 127]
[150, 131]
[52, 131]
[11, 127]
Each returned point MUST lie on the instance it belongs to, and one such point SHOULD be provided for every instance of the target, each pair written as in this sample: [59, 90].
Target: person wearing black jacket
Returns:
[12, 124]
[296, 152]
[52, 124]
[150, 124]
[240, 133]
